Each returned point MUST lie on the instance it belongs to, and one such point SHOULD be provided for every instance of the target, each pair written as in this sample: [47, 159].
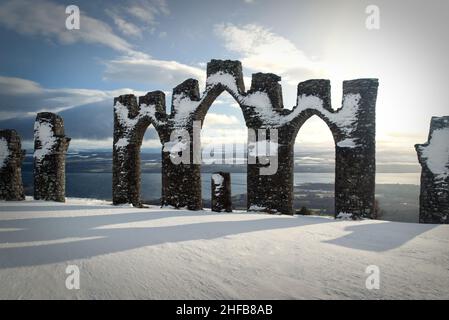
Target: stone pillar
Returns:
[181, 181]
[181, 184]
[270, 178]
[221, 192]
[11, 157]
[50, 147]
[126, 153]
[434, 159]
[355, 154]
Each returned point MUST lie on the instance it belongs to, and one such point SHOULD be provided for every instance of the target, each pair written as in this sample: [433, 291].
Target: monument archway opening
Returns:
[223, 147]
[314, 169]
[150, 167]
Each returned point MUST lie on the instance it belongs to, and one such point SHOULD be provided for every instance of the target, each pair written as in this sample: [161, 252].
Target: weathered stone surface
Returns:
[221, 192]
[353, 128]
[131, 119]
[434, 159]
[11, 157]
[50, 147]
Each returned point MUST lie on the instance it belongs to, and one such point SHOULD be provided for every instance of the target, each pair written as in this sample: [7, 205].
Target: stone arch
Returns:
[353, 127]
[182, 182]
[132, 118]
[215, 86]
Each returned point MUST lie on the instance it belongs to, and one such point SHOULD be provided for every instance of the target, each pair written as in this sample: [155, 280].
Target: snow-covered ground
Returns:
[125, 252]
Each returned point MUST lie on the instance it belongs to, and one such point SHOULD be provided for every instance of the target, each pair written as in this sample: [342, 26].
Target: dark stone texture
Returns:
[181, 183]
[355, 168]
[130, 124]
[11, 187]
[221, 192]
[434, 195]
[49, 157]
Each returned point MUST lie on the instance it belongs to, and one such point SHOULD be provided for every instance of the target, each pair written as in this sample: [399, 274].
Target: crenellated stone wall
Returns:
[270, 176]
[50, 147]
[434, 159]
[11, 157]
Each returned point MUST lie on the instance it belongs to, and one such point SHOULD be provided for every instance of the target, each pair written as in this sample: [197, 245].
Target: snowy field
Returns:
[125, 252]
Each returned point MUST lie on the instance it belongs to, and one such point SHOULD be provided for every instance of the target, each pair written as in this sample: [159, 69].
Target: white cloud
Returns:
[223, 129]
[149, 70]
[125, 27]
[21, 96]
[142, 13]
[214, 120]
[147, 10]
[47, 19]
[265, 51]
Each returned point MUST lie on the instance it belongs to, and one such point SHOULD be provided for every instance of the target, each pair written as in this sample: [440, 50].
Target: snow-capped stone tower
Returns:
[50, 147]
[434, 159]
[11, 157]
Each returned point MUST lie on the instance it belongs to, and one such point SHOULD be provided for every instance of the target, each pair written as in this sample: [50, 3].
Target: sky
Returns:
[136, 46]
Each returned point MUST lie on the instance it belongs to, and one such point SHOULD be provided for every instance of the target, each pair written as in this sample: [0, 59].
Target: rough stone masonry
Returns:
[353, 128]
[50, 147]
[221, 192]
[434, 159]
[11, 157]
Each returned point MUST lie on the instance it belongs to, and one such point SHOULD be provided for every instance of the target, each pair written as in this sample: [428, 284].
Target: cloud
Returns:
[125, 27]
[149, 70]
[21, 96]
[47, 19]
[147, 10]
[143, 12]
[215, 119]
[223, 129]
[90, 125]
[262, 50]
[87, 114]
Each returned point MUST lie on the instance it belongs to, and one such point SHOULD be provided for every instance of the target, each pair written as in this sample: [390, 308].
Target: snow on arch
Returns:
[128, 124]
[4, 152]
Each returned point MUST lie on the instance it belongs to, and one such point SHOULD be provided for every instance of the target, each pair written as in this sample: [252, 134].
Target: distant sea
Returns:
[99, 185]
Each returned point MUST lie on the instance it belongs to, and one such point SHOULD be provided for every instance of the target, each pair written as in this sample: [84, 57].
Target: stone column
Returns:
[355, 165]
[181, 181]
[126, 154]
[221, 192]
[270, 178]
[11, 157]
[434, 159]
[50, 147]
